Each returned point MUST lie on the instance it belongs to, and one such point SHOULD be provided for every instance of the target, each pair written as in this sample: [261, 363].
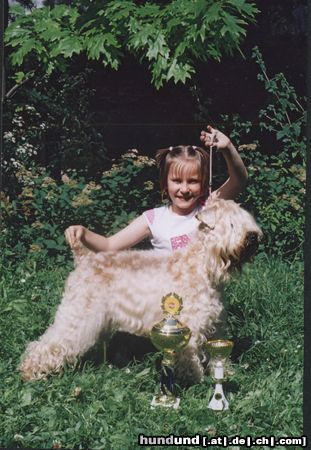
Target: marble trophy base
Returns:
[166, 401]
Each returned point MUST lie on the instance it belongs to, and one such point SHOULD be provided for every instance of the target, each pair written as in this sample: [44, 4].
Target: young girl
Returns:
[184, 180]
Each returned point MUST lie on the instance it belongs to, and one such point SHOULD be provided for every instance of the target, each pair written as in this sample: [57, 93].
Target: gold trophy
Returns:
[169, 336]
[219, 351]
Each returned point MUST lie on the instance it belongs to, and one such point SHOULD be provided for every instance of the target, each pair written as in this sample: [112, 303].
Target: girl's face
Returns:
[184, 186]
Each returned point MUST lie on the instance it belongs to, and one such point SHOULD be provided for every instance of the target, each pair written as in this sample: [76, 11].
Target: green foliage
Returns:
[276, 196]
[51, 125]
[276, 188]
[41, 210]
[99, 406]
[286, 116]
[170, 37]
[44, 208]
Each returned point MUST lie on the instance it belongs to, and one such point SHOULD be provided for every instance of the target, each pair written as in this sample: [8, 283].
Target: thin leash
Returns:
[210, 181]
[210, 170]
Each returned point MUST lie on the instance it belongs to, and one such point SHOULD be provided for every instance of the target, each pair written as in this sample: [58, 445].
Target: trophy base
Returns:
[218, 405]
[218, 401]
[166, 401]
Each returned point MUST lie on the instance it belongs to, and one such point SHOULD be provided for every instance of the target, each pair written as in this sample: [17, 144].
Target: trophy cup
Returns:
[219, 351]
[169, 336]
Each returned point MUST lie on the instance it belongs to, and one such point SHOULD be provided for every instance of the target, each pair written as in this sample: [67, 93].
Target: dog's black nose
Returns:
[252, 237]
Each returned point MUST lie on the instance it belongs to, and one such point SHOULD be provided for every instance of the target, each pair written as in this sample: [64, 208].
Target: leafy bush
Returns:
[40, 208]
[274, 155]
[37, 218]
[276, 189]
[49, 124]
[275, 194]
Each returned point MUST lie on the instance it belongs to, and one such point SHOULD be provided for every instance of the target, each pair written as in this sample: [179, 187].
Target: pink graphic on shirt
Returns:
[179, 241]
[150, 215]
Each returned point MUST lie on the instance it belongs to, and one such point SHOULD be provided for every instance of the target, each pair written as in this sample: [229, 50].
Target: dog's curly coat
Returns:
[123, 290]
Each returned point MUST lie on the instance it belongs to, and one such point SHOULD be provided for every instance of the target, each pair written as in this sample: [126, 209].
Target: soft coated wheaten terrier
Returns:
[123, 291]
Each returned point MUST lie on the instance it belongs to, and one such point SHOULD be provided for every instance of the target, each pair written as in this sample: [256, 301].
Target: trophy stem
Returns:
[167, 380]
[166, 396]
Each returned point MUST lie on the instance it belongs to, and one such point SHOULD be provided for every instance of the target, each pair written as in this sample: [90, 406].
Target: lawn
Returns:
[100, 406]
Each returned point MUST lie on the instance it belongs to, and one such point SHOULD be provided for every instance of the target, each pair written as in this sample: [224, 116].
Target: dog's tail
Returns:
[79, 251]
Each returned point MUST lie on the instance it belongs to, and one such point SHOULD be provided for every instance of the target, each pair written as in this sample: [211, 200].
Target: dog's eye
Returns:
[202, 226]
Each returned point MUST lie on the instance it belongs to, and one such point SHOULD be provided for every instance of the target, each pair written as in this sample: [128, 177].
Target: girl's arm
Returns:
[236, 169]
[133, 233]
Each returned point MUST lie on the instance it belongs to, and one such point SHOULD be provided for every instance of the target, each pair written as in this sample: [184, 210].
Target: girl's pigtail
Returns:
[163, 165]
[161, 156]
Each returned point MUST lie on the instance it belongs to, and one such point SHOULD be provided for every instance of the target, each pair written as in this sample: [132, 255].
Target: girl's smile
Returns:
[183, 187]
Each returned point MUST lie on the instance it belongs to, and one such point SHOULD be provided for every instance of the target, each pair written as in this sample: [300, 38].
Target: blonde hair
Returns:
[165, 157]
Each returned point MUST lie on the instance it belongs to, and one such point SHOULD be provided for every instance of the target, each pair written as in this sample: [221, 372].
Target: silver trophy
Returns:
[219, 351]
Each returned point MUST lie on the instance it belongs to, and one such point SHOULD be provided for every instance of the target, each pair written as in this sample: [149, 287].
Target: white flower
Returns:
[18, 437]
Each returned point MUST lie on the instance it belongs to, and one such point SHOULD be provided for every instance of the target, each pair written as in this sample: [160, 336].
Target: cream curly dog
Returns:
[123, 290]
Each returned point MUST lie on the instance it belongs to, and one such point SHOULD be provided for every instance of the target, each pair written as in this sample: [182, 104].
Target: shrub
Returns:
[276, 189]
[275, 194]
[36, 219]
[274, 154]
[41, 208]
[49, 124]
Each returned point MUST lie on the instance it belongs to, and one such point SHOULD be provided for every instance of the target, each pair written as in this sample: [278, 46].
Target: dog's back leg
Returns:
[189, 369]
[75, 329]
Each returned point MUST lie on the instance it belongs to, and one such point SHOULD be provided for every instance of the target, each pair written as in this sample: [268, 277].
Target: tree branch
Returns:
[13, 90]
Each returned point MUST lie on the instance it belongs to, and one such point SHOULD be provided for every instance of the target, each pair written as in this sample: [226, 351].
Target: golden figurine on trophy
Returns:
[169, 336]
[219, 350]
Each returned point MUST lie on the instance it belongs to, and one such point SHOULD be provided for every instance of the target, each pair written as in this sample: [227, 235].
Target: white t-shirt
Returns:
[169, 230]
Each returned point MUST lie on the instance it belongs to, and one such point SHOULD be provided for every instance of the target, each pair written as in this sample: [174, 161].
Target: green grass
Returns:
[102, 407]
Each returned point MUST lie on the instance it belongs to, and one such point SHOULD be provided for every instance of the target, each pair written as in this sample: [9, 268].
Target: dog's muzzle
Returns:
[250, 246]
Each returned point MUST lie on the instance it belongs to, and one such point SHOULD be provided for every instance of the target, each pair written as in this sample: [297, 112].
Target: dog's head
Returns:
[230, 236]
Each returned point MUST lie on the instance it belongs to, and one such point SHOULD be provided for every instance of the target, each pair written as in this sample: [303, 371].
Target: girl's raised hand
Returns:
[74, 234]
[215, 138]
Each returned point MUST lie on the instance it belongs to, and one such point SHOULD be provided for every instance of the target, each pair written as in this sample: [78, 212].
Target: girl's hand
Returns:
[74, 234]
[214, 138]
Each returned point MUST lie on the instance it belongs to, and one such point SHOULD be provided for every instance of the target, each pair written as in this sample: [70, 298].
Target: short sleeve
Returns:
[149, 216]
